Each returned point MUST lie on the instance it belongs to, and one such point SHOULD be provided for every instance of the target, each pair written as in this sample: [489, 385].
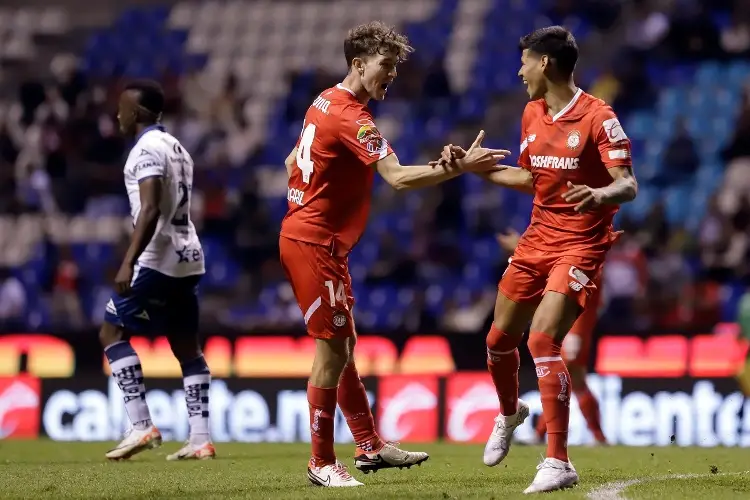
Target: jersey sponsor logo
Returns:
[188, 254]
[614, 130]
[574, 139]
[19, 407]
[619, 154]
[531, 138]
[295, 196]
[143, 166]
[556, 162]
[321, 104]
[409, 408]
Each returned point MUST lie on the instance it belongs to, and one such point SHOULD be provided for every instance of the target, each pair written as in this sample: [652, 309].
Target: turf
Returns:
[43, 469]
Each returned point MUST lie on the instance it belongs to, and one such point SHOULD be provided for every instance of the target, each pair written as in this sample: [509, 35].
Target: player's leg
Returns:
[318, 286]
[517, 295]
[576, 350]
[124, 315]
[565, 297]
[372, 453]
[182, 319]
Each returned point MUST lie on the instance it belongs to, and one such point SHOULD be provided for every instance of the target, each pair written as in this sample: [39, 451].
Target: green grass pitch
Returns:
[44, 469]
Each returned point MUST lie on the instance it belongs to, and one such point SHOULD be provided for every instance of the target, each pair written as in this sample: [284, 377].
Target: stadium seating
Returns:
[261, 42]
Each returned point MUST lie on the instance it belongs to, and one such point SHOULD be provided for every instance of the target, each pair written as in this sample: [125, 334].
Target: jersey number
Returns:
[181, 216]
[339, 296]
[303, 153]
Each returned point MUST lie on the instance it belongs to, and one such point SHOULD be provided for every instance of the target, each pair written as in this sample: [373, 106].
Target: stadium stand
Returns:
[239, 76]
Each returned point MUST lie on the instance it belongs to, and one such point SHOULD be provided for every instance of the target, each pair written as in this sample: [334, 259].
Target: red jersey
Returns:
[331, 183]
[578, 145]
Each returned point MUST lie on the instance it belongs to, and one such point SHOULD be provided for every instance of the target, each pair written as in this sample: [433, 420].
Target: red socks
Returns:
[352, 399]
[322, 403]
[590, 409]
[554, 386]
[503, 362]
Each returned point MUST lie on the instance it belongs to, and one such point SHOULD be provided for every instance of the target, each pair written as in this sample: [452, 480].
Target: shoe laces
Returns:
[340, 470]
[549, 464]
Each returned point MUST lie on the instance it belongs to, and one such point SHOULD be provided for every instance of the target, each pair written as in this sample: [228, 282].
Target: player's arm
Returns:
[511, 177]
[477, 159]
[149, 171]
[502, 175]
[289, 162]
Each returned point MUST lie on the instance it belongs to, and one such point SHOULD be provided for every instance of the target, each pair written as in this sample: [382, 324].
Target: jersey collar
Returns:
[341, 87]
[569, 106]
[149, 129]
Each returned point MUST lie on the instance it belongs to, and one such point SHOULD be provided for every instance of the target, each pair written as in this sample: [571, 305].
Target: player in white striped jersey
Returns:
[156, 286]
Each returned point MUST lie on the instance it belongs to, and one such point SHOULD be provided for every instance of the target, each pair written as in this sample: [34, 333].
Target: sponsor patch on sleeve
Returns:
[614, 130]
[619, 154]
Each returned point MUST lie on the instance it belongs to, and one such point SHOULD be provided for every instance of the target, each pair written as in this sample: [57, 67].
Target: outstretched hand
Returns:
[476, 159]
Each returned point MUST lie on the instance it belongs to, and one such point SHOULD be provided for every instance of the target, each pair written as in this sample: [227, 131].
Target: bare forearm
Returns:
[511, 177]
[144, 230]
[621, 190]
[419, 176]
[289, 162]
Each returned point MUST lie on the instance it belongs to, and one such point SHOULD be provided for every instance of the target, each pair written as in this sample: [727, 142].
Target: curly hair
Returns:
[375, 38]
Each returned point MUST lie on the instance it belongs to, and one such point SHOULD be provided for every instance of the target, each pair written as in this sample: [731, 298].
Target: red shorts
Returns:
[531, 273]
[576, 348]
[322, 286]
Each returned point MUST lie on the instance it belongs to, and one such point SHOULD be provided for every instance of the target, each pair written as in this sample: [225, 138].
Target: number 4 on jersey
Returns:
[303, 152]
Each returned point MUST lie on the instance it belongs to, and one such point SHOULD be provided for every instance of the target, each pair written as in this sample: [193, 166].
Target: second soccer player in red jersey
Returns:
[331, 172]
[575, 159]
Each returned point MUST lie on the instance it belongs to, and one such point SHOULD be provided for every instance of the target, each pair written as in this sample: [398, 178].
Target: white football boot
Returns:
[553, 475]
[135, 441]
[331, 476]
[190, 451]
[387, 457]
[498, 444]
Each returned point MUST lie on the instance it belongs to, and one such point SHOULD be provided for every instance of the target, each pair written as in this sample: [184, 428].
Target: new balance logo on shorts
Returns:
[575, 286]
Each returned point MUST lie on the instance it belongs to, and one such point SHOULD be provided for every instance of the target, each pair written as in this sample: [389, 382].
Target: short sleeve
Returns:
[360, 135]
[147, 164]
[611, 140]
[524, 160]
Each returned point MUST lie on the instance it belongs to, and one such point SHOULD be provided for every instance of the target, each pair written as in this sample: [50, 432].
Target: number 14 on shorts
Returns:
[338, 296]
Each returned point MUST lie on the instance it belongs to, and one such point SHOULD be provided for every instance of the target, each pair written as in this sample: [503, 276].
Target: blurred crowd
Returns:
[60, 152]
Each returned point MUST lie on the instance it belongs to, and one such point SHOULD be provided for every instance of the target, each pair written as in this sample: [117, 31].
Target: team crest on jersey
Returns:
[339, 319]
[574, 139]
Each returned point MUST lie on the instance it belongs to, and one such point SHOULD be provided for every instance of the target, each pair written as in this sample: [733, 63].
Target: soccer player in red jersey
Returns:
[331, 172]
[576, 352]
[575, 159]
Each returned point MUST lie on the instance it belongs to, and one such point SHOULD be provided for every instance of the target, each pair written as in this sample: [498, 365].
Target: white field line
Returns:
[615, 489]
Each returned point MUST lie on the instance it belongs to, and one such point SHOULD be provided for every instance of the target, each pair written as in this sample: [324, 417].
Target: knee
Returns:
[109, 334]
[542, 345]
[500, 341]
[577, 376]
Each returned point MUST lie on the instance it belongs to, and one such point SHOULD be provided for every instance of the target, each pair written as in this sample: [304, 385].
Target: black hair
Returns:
[557, 43]
[150, 95]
